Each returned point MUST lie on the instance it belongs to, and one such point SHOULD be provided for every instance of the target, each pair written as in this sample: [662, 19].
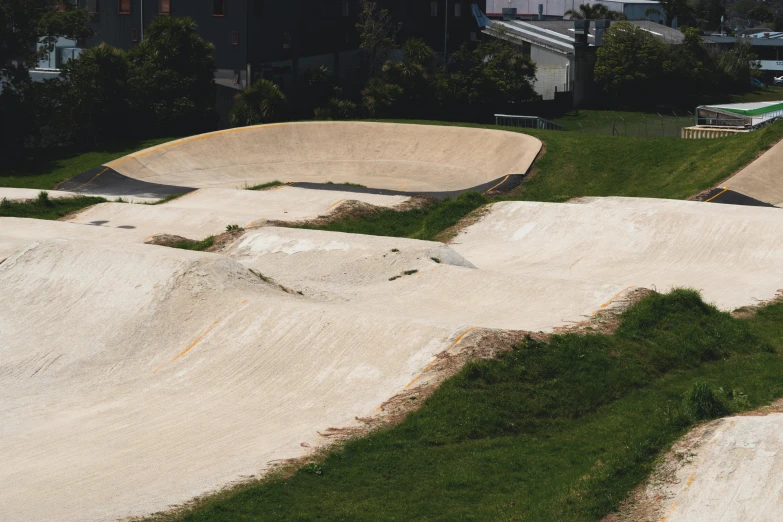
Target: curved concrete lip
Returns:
[388, 158]
[762, 180]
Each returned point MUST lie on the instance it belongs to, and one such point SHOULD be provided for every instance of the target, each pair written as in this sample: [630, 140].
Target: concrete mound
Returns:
[762, 179]
[414, 279]
[730, 469]
[134, 377]
[401, 157]
[733, 259]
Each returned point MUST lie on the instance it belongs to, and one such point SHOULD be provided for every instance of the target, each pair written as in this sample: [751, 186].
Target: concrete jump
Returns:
[762, 180]
[401, 158]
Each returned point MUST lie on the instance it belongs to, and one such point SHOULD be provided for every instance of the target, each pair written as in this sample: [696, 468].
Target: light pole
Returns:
[446, 34]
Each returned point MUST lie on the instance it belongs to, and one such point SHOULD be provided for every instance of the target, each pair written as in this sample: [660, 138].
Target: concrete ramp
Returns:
[397, 157]
[761, 180]
[134, 377]
[734, 260]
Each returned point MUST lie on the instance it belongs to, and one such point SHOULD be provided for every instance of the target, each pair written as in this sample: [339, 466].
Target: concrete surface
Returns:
[736, 474]
[733, 259]
[762, 179]
[134, 377]
[446, 288]
[379, 155]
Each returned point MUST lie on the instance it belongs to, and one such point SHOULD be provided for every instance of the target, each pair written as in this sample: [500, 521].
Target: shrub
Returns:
[262, 102]
[703, 403]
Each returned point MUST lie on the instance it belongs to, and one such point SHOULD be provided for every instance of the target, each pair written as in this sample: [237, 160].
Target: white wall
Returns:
[551, 71]
[559, 7]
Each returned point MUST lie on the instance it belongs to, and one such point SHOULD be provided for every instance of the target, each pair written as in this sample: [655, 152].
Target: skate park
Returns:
[126, 364]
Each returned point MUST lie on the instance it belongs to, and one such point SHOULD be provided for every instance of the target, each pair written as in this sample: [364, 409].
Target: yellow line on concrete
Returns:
[93, 179]
[466, 332]
[615, 296]
[406, 184]
[192, 345]
[718, 194]
[334, 205]
[496, 186]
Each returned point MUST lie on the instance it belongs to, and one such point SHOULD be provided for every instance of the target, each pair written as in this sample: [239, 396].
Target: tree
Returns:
[171, 81]
[595, 12]
[761, 13]
[411, 77]
[96, 90]
[262, 102]
[477, 83]
[679, 9]
[709, 13]
[377, 33]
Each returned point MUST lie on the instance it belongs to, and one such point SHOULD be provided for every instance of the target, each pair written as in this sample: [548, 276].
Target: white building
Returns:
[633, 9]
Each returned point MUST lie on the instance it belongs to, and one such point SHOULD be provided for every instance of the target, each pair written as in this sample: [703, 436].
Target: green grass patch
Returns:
[43, 169]
[547, 432]
[189, 244]
[168, 198]
[421, 223]
[346, 184]
[44, 207]
[265, 186]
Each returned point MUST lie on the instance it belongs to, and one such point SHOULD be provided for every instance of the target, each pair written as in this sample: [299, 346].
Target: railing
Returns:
[529, 122]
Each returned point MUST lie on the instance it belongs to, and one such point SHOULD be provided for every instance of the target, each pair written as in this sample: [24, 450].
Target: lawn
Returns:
[547, 432]
[45, 208]
[46, 168]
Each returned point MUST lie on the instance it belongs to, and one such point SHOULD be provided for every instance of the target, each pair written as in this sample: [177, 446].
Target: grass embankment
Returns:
[44, 207]
[547, 432]
[576, 165]
[191, 244]
[43, 169]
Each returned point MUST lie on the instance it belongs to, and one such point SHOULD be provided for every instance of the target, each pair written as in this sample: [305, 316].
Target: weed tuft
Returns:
[703, 403]
[231, 228]
[435, 259]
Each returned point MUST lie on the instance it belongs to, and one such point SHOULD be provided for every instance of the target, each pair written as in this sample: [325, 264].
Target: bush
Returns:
[262, 102]
[702, 403]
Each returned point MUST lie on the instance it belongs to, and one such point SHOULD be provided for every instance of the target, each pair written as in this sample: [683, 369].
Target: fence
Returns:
[529, 122]
[636, 125]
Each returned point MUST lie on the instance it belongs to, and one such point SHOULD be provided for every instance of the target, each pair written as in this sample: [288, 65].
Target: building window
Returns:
[125, 6]
[164, 7]
[433, 8]
[457, 9]
[134, 35]
[344, 8]
[92, 6]
[218, 7]
[235, 38]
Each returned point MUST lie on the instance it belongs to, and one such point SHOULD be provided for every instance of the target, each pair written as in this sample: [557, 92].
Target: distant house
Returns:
[564, 51]
[767, 45]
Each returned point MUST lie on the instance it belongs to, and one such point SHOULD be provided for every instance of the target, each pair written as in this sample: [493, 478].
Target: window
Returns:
[218, 7]
[457, 10]
[134, 35]
[125, 6]
[344, 8]
[92, 6]
[235, 38]
[164, 7]
[433, 8]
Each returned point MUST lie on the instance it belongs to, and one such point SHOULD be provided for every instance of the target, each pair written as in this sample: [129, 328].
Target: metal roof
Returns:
[558, 35]
[756, 42]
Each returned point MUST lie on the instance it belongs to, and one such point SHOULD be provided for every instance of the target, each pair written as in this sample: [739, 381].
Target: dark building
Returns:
[279, 39]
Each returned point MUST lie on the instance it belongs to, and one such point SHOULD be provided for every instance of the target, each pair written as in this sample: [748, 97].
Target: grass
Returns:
[45, 208]
[768, 93]
[421, 223]
[46, 168]
[189, 244]
[547, 432]
[346, 184]
[265, 186]
[168, 198]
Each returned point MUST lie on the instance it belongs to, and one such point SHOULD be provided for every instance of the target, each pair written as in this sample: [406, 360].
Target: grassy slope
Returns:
[45, 169]
[577, 165]
[546, 432]
[45, 208]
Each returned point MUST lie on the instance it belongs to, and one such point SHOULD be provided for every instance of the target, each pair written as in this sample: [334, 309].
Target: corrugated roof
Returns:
[558, 35]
